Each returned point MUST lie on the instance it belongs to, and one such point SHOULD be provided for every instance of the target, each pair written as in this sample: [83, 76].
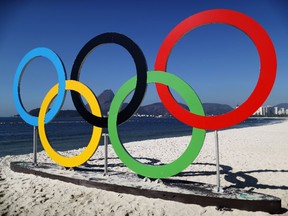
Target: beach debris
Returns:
[106, 174]
[146, 179]
[158, 181]
[67, 168]
[217, 189]
[223, 208]
[251, 189]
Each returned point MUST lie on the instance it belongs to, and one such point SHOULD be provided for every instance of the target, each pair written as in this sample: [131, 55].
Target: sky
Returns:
[218, 61]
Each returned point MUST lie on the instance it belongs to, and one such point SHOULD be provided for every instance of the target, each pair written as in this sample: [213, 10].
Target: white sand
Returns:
[255, 155]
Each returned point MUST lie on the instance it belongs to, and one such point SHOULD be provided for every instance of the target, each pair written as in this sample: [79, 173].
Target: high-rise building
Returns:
[275, 110]
[260, 111]
[281, 111]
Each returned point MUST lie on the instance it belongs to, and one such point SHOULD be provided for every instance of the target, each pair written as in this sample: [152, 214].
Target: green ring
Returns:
[198, 135]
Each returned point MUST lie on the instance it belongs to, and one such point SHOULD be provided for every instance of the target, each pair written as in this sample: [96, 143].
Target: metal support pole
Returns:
[218, 189]
[105, 135]
[35, 131]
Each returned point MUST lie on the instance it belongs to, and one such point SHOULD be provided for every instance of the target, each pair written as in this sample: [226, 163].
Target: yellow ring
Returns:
[96, 133]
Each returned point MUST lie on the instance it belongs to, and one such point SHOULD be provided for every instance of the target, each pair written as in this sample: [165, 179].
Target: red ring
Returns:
[268, 66]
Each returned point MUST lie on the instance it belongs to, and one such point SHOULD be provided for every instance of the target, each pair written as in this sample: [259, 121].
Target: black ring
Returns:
[141, 67]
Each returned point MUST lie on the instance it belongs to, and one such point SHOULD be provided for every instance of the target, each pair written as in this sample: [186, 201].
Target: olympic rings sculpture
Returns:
[195, 117]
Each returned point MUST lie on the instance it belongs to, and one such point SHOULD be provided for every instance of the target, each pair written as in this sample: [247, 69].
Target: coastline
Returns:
[16, 136]
[253, 158]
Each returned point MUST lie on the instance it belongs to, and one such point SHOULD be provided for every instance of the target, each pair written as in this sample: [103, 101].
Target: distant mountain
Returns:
[156, 109]
[216, 109]
[282, 105]
[159, 109]
[104, 99]
[34, 112]
[62, 113]
[153, 109]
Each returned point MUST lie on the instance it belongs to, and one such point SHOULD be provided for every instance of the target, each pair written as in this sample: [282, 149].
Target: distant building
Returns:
[275, 110]
[269, 111]
[281, 111]
[260, 111]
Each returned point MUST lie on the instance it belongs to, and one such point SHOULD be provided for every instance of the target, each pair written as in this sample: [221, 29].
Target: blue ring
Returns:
[49, 54]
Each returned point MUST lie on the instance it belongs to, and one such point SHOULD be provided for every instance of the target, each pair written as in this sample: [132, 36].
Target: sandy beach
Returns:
[252, 158]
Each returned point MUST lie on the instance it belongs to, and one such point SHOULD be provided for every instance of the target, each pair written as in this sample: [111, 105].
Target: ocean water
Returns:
[16, 137]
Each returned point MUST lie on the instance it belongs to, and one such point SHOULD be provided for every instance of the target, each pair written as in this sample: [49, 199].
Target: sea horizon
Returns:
[16, 136]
